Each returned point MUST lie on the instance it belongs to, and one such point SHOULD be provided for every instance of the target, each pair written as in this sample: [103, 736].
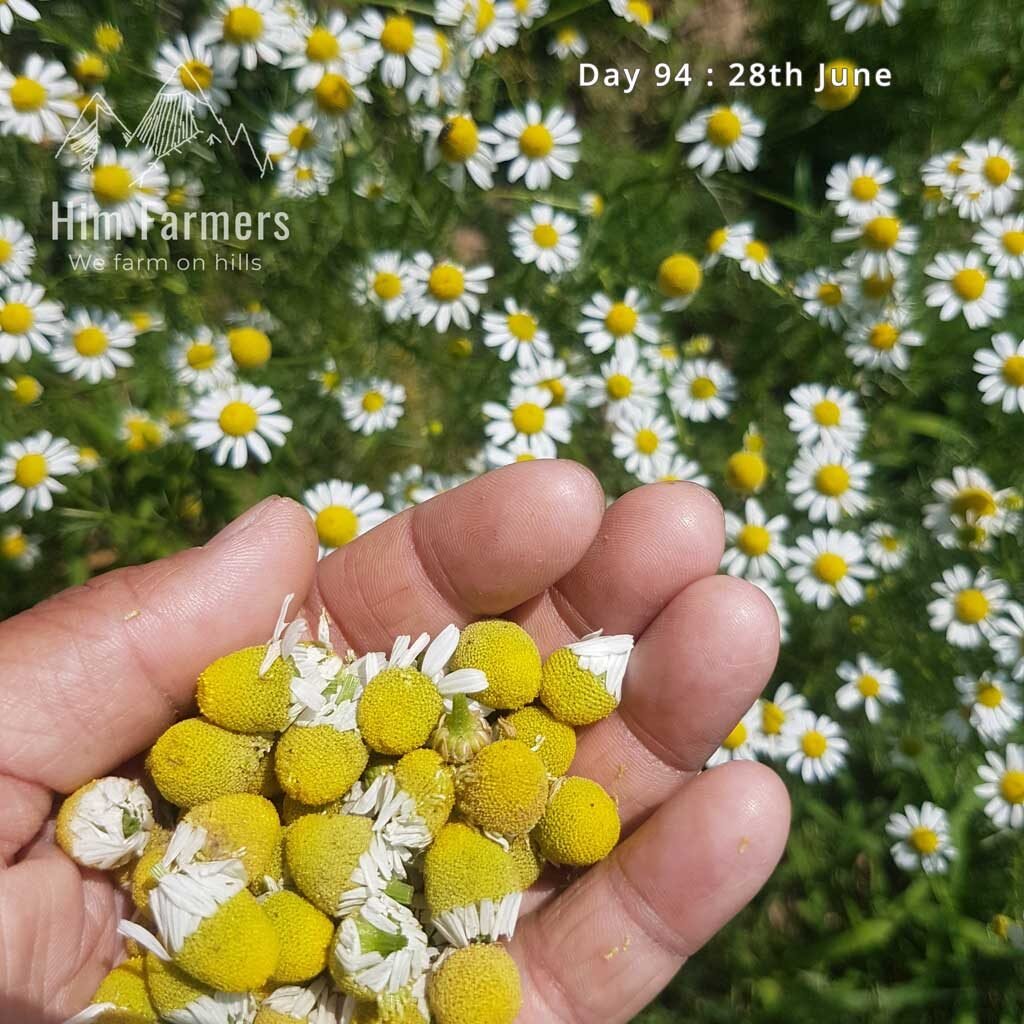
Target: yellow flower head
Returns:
[475, 985]
[304, 935]
[527, 861]
[398, 711]
[507, 655]
[170, 987]
[463, 867]
[232, 693]
[125, 988]
[554, 742]
[580, 825]
[316, 764]
[241, 825]
[503, 789]
[582, 683]
[431, 783]
[322, 851]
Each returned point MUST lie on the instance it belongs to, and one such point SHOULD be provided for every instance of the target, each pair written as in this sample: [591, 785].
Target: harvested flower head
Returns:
[106, 823]
[506, 654]
[239, 825]
[552, 741]
[122, 998]
[503, 789]
[580, 825]
[462, 731]
[304, 935]
[476, 985]
[582, 682]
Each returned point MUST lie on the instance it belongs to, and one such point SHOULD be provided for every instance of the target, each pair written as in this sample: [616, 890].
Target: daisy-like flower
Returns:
[537, 146]
[993, 704]
[989, 180]
[828, 482]
[729, 134]
[829, 564]
[140, 432]
[248, 31]
[485, 26]
[447, 85]
[663, 355]
[1008, 642]
[145, 321]
[128, 187]
[12, 9]
[756, 260]
[882, 341]
[193, 70]
[516, 335]
[412, 486]
[641, 439]
[95, 345]
[620, 323]
[343, 511]
[36, 103]
[743, 741]
[305, 180]
[519, 449]
[858, 189]
[568, 42]
[824, 297]
[878, 293]
[1002, 241]
[886, 549]
[17, 251]
[942, 172]
[553, 375]
[922, 839]
[528, 11]
[333, 103]
[702, 390]
[859, 13]
[963, 286]
[106, 823]
[869, 684]
[673, 469]
[318, 47]
[399, 43]
[638, 12]
[884, 243]
[778, 715]
[968, 607]
[237, 421]
[528, 414]
[28, 322]
[1002, 787]
[1002, 372]
[755, 545]
[727, 241]
[446, 292]
[292, 140]
[970, 511]
[200, 360]
[825, 414]
[815, 748]
[29, 471]
[372, 405]
[464, 148]
[546, 239]
[17, 548]
[624, 387]
[385, 283]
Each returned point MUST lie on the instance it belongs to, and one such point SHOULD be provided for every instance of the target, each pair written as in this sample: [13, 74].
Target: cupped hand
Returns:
[91, 677]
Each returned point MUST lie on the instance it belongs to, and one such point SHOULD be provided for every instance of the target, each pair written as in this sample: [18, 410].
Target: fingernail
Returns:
[244, 521]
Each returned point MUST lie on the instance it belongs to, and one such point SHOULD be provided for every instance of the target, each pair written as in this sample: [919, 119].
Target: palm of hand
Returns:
[90, 678]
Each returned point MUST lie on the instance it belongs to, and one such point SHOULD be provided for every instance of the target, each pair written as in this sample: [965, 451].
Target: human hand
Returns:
[90, 678]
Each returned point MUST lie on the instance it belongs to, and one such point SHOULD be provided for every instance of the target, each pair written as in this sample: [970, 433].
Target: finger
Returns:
[653, 542]
[611, 942]
[479, 549]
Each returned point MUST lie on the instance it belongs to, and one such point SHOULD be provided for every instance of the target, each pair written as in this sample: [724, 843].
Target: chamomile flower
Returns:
[727, 241]
[829, 564]
[1002, 786]
[447, 85]
[727, 134]
[672, 469]
[885, 548]
[743, 741]
[922, 839]
[962, 286]
[820, 414]
[859, 13]
[28, 322]
[105, 823]
[486, 25]
[516, 335]
[857, 188]
[372, 405]
[519, 449]
[568, 42]
[446, 292]
[993, 704]
[552, 374]
[943, 170]
[328, 45]
[462, 146]
[638, 12]
[869, 684]
[36, 103]
[546, 239]
[755, 544]
[882, 341]
[755, 259]
[127, 186]
[663, 355]
[17, 251]
[624, 387]
[12, 9]
[95, 346]
[823, 294]
[17, 548]
[968, 607]
[528, 11]
[884, 243]
[989, 179]
[702, 390]
[529, 414]
[141, 432]
[197, 73]
[333, 103]
[778, 714]
[248, 31]
[815, 748]
[304, 180]
[1008, 642]
[236, 422]
[970, 511]
[641, 438]
[29, 471]
[537, 146]
[200, 360]
[1002, 241]
[343, 511]
[385, 283]
[828, 482]
[621, 323]
[1002, 373]
[294, 140]
[398, 44]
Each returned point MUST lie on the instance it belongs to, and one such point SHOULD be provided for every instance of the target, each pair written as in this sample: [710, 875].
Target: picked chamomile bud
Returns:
[289, 1004]
[195, 761]
[241, 825]
[207, 921]
[503, 789]
[122, 998]
[105, 823]
[507, 656]
[582, 682]
[318, 761]
[580, 825]
[553, 741]
[179, 997]
[379, 948]
[526, 860]
[401, 704]
[463, 730]
[234, 694]
[471, 886]
[475, 985]
[304, 935]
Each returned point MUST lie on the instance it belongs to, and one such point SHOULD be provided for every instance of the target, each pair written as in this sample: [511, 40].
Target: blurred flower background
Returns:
[812, 303]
